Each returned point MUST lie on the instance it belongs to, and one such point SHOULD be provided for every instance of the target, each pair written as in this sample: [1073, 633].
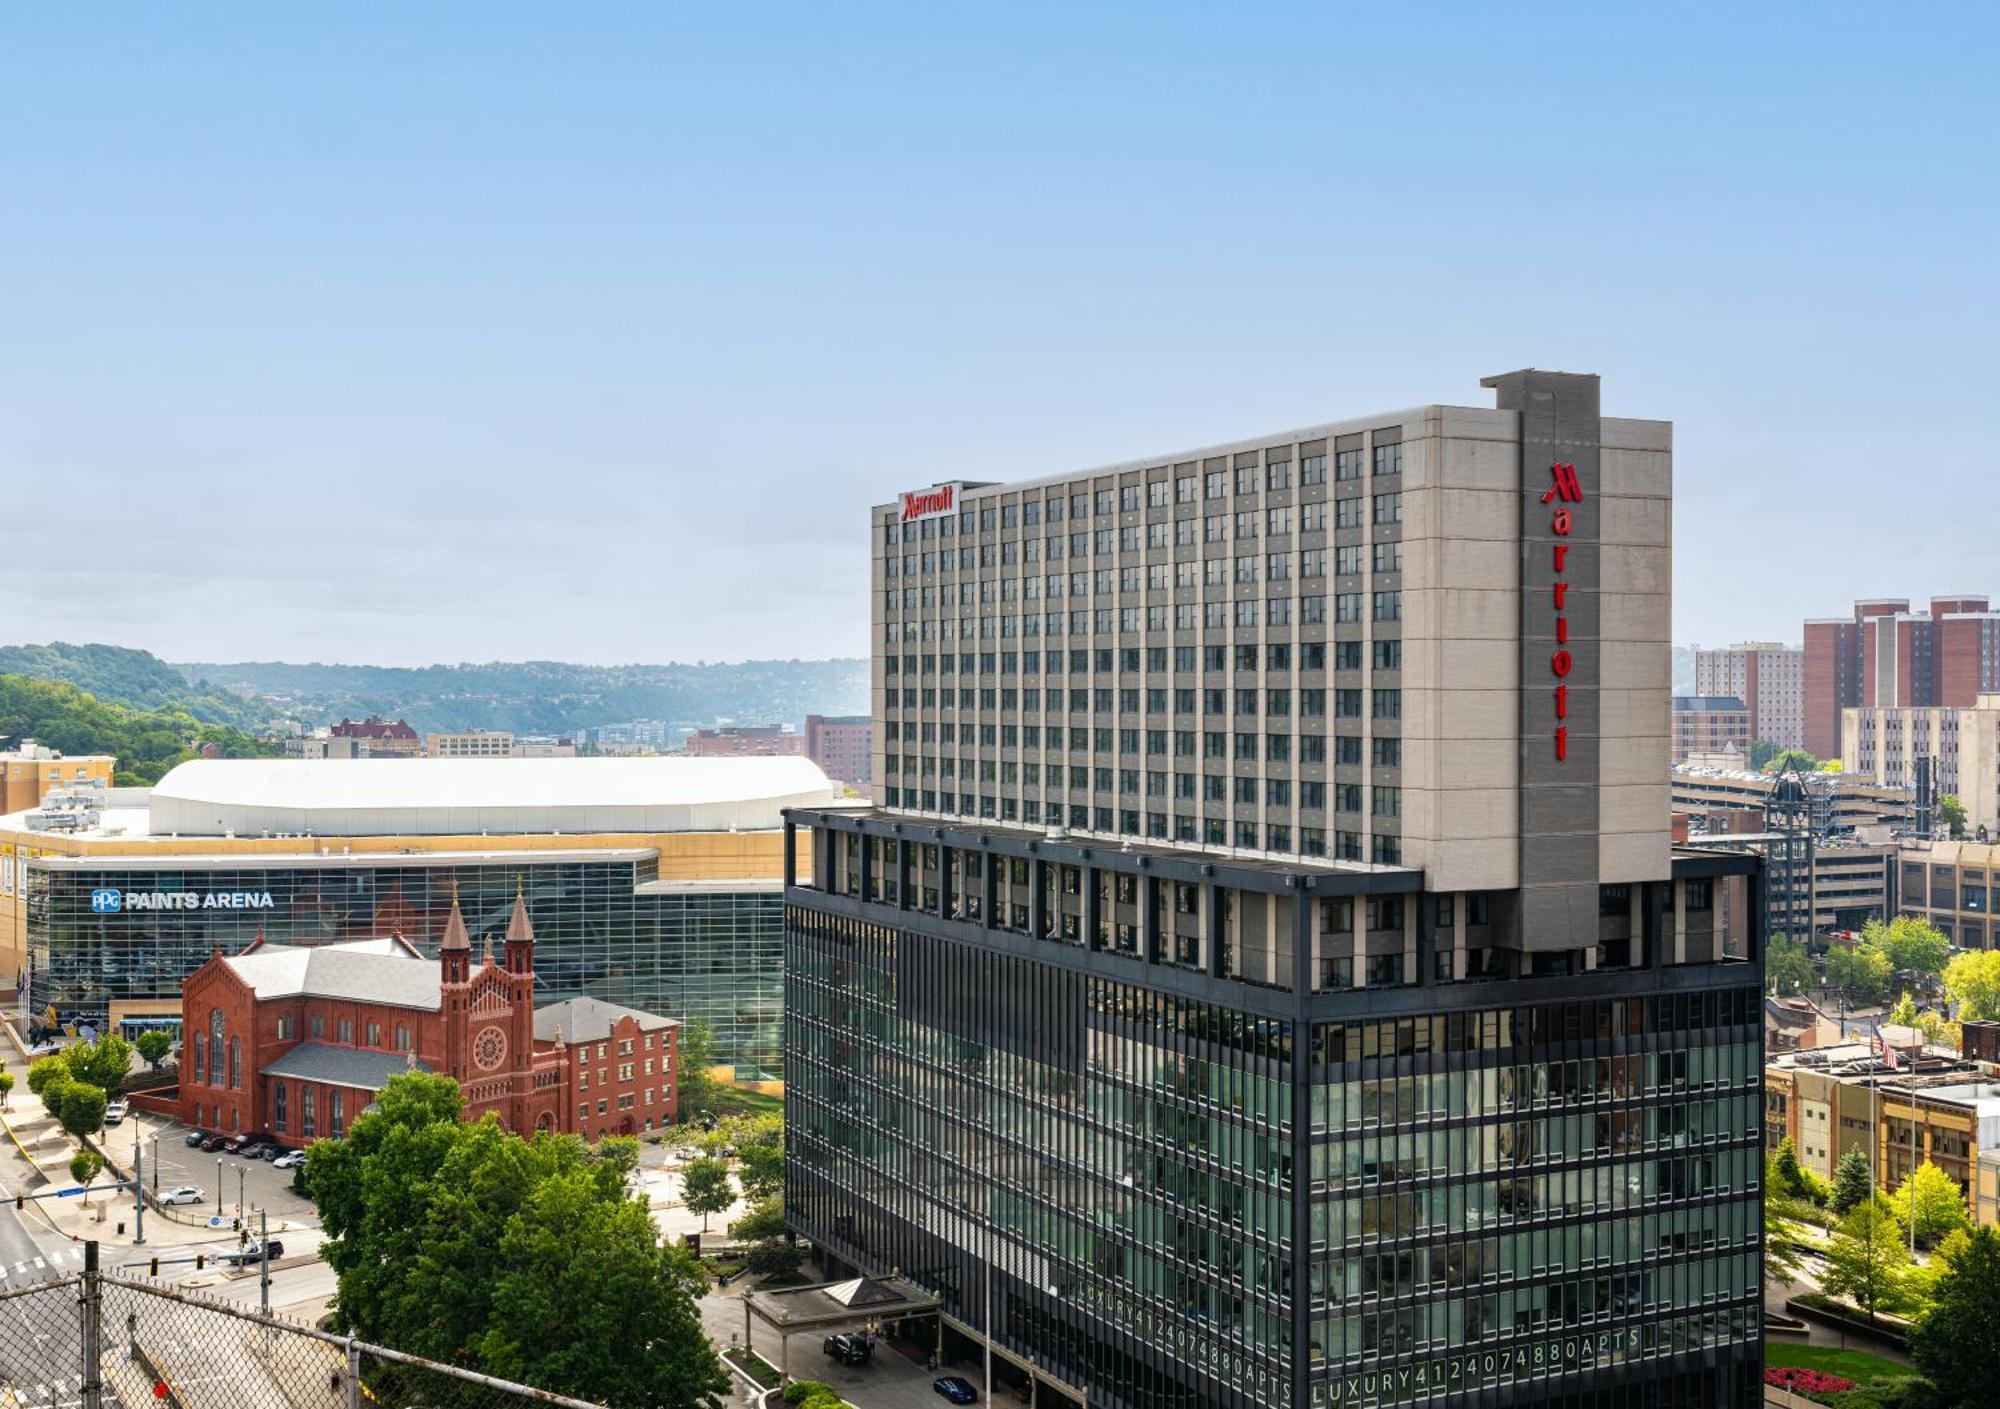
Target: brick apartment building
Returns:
[296, 1042]
[1769, 677]
[745, 741]
[376, 737]
[839, 744]
[1888, 656]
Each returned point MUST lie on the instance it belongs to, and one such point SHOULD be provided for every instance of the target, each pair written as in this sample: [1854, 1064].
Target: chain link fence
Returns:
[100, 1340]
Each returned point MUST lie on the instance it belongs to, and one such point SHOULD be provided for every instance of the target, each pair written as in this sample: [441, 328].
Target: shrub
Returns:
[799, 1391]
[1805, 1381]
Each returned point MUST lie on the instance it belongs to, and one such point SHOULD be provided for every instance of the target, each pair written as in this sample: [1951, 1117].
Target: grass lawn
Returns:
[736, 1101]
[759, 1369]
[1856, 1365]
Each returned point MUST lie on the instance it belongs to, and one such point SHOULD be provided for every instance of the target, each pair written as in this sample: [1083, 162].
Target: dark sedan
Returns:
[956, 1389]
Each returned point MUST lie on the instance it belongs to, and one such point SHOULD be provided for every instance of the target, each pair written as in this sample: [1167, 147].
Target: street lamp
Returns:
[239, 1191]
[218, 1186]
[156, 1164]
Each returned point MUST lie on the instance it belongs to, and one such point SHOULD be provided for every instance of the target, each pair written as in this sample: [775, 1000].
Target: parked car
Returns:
[253, 1253]
[195, 1138]
[956, 1389]
[214, 1143]
[184, 1194]
[232, 1144]
[253, 1146]
[271, 1152]
[290, 1159]
[117, 1110]
[848, 1348]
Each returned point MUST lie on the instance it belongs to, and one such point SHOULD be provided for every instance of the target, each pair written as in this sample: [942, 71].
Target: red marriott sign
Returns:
[929, 503]
[1563, 491]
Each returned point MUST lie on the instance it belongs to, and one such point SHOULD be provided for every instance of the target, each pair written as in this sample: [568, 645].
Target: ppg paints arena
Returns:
[653, 882]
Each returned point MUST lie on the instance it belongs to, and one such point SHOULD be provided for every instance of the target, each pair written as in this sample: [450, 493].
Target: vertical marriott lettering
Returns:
[1562, 492]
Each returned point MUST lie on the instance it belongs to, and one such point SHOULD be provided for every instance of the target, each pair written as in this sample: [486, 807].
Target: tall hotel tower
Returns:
[1263, 976]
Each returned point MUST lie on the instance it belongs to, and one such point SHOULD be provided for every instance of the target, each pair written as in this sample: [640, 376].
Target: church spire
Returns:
[520, 935]
[457, 947]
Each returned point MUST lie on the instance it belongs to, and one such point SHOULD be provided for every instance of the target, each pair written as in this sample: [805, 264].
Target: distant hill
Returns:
[146, 742]
[547, 697]
[139, 680]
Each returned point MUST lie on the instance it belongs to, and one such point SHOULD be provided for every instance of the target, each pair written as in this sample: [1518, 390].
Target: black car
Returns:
[255, 1253]
[848, 1348]
[195, 1137]
[956, 1389]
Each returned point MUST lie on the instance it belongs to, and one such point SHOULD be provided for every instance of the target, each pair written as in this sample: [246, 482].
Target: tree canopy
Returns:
[1952, 812]
[146, 742]
[154, 1044]
[1910, 945]
[1788, 968]
[1853, 1181]
[518, 1258]
[1972, 980]
[1861, 971]
[706, 1187]
[1867, 1262]
[1934, 1201]
[1957, 1345]
[102, 1063]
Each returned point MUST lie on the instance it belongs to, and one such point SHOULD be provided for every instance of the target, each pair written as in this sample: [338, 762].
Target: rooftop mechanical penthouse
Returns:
[1264, 976]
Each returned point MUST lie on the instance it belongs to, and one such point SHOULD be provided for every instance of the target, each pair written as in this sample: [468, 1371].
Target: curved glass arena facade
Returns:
[110, 940]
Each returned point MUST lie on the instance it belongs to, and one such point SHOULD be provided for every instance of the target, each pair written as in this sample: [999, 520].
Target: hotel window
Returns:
[1312, 470]
[1388, 655]
[1388, 606]
[1389, 556]
[1388, 704]
[1388, 753]
[1389, 459]
[1388, 508]
[1347, 513]
[1347, 464]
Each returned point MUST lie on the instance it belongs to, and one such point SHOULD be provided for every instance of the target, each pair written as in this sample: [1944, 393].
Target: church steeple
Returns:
[520, 947]
[456, 952]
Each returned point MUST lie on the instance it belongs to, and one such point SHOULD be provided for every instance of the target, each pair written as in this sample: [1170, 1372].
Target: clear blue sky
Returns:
[401, 333]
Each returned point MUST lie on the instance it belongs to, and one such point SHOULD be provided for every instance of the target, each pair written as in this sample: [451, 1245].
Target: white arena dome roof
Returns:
[376, 797]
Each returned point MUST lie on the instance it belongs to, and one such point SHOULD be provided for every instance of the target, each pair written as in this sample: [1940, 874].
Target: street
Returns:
[40, 1335]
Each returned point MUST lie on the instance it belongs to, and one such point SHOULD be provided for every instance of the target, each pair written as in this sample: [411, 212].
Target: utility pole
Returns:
[138, 1186]
[92, 1389]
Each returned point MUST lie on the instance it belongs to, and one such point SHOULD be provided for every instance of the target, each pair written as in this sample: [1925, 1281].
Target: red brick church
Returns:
[295, 1042]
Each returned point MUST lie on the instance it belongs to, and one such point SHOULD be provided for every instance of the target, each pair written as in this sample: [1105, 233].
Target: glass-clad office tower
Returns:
[1238, 999]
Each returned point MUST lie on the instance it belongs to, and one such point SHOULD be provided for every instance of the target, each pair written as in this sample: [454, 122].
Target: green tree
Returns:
[694, 1057]
[1788, 968]
[1904, 1011]
[1957, 1345]
[1785, 758]
[103, 1063]
[1861, 971]
[1952, 812]
[594, 1268]
[763, 1219]
[80, 1109]
[1853, 1181]
[1912, 946]
[154, 1044]
[1972, 980]
[760, 1155]
[1794, 1178]
[1933, 1199]
[1866, 1261]
[45, 1072]
[621, 1152]
[774, 1257]
[84, 1166]
[706, 1187]
[449, 1240]
[1783, 1213]
[6, 1086]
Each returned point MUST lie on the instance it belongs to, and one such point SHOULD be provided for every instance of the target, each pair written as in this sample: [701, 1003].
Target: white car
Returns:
[117, 1111]
[290, 1159]
[183, 1194]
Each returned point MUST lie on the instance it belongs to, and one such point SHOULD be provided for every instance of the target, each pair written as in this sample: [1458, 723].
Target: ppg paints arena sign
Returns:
[106, 901]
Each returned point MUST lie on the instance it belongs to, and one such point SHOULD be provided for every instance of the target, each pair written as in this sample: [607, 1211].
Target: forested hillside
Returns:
[137, 679]
[146, 743]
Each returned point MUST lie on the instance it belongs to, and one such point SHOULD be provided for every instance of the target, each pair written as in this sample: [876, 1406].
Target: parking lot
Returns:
[262, 1187]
